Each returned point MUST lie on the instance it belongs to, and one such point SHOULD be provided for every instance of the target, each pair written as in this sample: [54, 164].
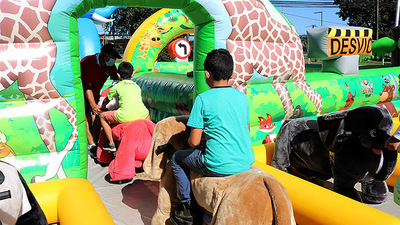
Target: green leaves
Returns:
[127, 20]
[363, 13]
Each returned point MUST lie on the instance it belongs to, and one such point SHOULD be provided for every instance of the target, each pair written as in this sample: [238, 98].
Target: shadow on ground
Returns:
[141, 195]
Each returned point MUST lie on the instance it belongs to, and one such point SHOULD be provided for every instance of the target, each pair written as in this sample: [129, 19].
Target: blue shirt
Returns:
[223, 114]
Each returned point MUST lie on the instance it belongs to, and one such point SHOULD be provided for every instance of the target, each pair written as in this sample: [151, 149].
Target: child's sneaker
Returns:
[93, 151]
[184, 215]
[109, 147]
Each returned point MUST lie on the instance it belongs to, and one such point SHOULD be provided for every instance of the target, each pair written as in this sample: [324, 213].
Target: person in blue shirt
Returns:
[223, 114]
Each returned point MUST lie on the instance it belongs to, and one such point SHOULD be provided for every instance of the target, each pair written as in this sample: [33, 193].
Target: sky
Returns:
[302, 14]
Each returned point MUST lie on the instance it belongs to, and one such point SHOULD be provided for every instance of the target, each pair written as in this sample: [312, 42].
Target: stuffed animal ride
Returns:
[346, 145]
[133, 140]
[251, 197]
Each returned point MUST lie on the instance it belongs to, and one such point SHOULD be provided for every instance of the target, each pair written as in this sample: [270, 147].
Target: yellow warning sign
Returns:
[349, 42]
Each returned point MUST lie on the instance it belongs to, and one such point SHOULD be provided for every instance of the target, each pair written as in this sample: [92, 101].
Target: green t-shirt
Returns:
[131, 106]
[223, 114]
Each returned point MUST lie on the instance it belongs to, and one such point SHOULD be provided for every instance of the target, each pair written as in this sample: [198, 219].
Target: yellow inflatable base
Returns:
[71, 201]
[391, 181]
[313, 204]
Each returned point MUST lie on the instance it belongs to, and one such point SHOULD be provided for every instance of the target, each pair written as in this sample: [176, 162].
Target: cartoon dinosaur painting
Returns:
[151, 37]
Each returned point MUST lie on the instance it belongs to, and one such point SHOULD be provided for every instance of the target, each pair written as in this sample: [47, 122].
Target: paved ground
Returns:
[389, 206]
[134, 203]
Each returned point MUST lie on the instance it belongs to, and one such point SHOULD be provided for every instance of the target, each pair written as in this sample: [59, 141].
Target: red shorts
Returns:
[110, 117]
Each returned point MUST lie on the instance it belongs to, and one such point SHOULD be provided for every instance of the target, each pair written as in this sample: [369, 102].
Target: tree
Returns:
[363, 13]
[127, 20]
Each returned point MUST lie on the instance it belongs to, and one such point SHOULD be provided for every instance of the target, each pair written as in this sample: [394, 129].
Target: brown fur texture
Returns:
[251, 197]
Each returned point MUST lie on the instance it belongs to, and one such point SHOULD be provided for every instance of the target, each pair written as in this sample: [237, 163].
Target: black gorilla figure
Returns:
[347, 145]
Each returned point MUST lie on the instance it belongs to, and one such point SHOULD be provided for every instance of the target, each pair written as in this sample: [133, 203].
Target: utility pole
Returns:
[396, 22]
[377, 19]
[104, 35]
[321, 16]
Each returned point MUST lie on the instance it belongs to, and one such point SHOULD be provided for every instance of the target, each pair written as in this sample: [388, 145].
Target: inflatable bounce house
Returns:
[42, 120]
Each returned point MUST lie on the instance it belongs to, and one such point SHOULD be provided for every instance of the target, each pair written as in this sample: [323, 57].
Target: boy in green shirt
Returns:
[131, 106]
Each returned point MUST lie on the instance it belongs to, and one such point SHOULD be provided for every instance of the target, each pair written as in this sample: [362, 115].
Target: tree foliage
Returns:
[127, 20]
[363, 13]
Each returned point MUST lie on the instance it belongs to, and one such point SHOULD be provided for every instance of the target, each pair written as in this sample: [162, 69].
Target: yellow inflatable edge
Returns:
[71, 201]
[391, 181]
[314, 205]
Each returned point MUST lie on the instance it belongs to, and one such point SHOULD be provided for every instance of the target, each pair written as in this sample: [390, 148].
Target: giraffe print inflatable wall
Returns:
[258, 42]
[28, 54]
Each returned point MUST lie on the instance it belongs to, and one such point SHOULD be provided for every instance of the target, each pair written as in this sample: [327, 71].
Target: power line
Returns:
[305, 4]
[309, 4]
[326, 4]
[309, 18]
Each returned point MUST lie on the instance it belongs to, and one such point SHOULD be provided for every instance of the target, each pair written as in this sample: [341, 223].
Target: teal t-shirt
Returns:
[131, 106]
[223, 114]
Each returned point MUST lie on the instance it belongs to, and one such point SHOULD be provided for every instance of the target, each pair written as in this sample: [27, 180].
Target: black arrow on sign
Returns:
[180, 45]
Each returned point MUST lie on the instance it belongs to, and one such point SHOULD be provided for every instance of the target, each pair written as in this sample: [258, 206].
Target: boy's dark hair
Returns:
[219, 63]
[125, 70]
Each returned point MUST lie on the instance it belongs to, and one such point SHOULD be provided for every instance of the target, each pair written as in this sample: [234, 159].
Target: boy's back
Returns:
[130, 101]
[223, 114]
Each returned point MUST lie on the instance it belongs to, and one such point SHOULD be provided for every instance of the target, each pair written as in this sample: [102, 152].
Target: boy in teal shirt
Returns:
[130, 102]
[223, 114]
